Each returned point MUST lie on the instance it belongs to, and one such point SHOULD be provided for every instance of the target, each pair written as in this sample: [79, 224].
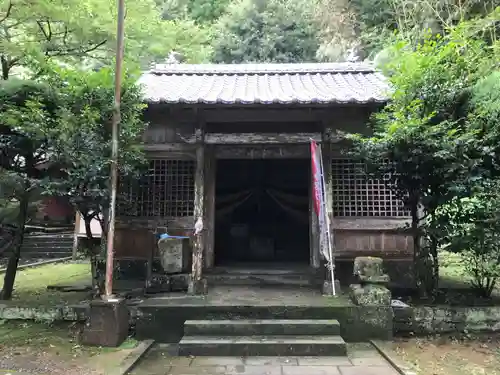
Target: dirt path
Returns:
[444, 355]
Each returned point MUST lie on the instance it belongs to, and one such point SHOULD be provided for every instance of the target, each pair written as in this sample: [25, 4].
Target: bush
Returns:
[473, 230]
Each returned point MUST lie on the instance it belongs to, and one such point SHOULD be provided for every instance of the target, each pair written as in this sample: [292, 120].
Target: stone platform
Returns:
[361, 359]
[162, 317]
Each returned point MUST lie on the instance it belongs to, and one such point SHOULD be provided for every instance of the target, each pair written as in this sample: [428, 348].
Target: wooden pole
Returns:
[108, 288]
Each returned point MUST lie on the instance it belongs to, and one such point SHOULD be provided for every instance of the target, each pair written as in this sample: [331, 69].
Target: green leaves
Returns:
[83, 34]
[82, 143]
[273, 31]
[439, 131]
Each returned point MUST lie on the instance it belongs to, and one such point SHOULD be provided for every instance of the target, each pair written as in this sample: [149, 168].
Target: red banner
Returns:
[316, 177]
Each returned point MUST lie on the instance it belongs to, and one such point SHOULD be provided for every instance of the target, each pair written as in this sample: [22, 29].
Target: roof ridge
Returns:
[262, 68]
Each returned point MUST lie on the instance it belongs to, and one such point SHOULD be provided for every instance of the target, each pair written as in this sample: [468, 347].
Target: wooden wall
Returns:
[172, 135]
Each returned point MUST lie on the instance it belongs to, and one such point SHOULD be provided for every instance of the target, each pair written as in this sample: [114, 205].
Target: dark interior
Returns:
[262, 211]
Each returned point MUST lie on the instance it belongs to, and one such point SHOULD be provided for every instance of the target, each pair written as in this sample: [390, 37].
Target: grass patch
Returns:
[61, 337]
[452, 271]
[30, 288]
[56, 347]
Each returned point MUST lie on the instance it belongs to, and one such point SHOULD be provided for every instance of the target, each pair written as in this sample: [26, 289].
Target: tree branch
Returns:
[7, 14]
[75, 51]
[42, 29]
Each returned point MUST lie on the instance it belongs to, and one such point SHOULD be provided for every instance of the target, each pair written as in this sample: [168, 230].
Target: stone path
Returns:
[362, 360]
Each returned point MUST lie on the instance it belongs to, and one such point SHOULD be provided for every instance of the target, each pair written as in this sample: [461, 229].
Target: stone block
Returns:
[198, 287]
[108, 323]
[370, 295]
[159, 283]
[326, 288]
[174, 254]
[179, 282]
[370, 322]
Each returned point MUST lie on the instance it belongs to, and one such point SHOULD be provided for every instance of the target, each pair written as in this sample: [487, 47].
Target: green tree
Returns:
[369, 26]
[472, 228]
[266, 31]
[82, 143]
[427, 133]
[27, 119]
[201, 11]
[83, 33]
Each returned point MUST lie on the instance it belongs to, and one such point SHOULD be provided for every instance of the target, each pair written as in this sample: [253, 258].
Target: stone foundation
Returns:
[425, 320]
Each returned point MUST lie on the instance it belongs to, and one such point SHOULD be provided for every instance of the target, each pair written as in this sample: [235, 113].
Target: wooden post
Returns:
[197, 285]
[210, 207]
[327, 170]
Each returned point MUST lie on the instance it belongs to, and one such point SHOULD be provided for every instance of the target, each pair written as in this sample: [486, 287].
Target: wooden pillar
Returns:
[198, 285]
[210, 206]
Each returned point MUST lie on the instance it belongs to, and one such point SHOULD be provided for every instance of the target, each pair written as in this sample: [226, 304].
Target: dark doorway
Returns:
[262, 211]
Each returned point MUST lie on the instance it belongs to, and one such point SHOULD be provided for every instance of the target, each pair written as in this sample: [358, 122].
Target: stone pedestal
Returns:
[199, 287]
[107, 324]
[370, 295]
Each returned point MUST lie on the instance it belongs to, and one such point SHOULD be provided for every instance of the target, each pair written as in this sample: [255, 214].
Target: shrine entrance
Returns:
[262, 211]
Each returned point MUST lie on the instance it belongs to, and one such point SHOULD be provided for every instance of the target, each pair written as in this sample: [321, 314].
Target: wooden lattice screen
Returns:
[355, 195]
[165, 190]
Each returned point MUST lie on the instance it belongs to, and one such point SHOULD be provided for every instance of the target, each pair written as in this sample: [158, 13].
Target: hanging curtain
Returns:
[234, 205]
[290, 198]
[228, 198]
[299, 215]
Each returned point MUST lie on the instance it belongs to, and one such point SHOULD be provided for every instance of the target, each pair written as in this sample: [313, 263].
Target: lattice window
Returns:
[355, 195]
[166, 189]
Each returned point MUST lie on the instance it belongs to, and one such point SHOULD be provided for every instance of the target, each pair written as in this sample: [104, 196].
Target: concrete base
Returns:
[108, 323]
[326, 288]
[162, 319]
[199, 287]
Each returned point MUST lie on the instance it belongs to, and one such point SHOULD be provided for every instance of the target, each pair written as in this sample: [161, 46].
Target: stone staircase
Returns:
[268, 337]
[256, 276]
[47, 245]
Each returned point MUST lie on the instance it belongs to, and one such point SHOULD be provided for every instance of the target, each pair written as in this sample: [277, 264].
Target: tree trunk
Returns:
[92, 252]
[433, 284]
[10, 273]
[418, 257]
[5, 68]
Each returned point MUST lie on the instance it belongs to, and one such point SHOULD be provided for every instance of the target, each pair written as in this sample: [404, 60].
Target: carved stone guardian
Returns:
[371, 288]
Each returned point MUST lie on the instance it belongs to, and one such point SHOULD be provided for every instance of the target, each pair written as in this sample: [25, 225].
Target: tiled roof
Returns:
[322, 83]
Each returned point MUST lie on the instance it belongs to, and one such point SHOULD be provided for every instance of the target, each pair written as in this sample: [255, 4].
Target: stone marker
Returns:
[172, 254]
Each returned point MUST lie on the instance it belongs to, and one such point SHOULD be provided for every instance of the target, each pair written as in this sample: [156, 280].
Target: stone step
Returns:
[262, 279]
[49, 237]
[262, 346]
[56, 242]
[45, 255]
[48, 244]
[264, 327]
